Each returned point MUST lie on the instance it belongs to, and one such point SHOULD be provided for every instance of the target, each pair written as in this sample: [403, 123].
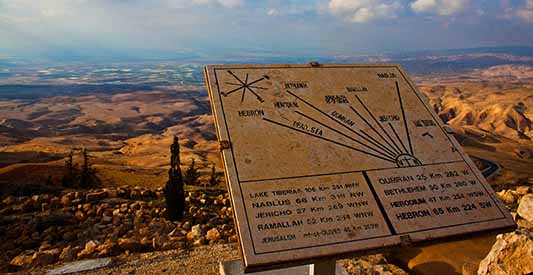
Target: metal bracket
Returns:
[224, 144]
[314, 64]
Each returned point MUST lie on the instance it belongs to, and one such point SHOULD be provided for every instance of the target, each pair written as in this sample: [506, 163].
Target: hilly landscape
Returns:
[126, 117]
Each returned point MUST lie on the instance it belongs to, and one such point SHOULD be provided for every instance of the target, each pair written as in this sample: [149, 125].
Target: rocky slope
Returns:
[512, 254]
[44, 229]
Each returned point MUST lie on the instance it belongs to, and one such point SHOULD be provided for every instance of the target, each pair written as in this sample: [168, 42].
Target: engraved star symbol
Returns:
[245, 86]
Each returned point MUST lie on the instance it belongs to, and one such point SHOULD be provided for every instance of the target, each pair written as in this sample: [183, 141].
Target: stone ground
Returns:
[197, 261]
[205, 260]
[128, 225]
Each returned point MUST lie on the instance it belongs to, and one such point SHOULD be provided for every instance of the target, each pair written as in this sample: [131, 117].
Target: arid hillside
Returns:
[128, 134]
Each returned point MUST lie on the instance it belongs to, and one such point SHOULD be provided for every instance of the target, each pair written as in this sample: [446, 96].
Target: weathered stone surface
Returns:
[512, 254]
[525, 208]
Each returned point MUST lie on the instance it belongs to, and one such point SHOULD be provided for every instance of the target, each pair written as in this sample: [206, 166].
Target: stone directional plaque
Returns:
[329, 159]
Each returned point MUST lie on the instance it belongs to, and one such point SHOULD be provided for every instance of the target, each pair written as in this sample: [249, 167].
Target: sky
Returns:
[55, 28]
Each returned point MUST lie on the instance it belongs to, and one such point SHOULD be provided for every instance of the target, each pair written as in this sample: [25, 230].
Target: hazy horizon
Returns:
[108, 29]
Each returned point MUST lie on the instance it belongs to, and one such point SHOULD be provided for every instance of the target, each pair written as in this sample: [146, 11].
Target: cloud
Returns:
[360, 11]
[526, 12]
[273, 12]
[440, 7]
[224, 3]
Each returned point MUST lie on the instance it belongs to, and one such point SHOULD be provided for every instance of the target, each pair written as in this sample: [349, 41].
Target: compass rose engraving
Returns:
[245, 86]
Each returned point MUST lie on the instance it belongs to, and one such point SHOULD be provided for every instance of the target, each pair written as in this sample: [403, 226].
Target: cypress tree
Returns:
[174, 193]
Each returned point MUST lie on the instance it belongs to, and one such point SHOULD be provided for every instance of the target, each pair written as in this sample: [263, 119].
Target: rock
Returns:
[9, 200]
[55, 203]
[80, 216]
[69, 236]
[66, 201]
[90, 248]
[44, 258]
[525, 208]
[507, 196]
[22, 260]
[45, 246]
[80, 266]
[112, 193]
[131, 245]
[108, 248]
[226, 202]
[511, 254]
[96, 196]
[200, 241]
[107, 219]
[522, 190]
[196, 232]
[232, 239]
[372, 264]
[27, 206]
[524, 223]
[186, 225]
[86, 207]
[69, 253]
[147, 193]
[76, 201]
[213, 234]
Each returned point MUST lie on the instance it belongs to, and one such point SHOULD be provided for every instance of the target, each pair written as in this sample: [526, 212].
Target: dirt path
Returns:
[202, 260]
[199, 261]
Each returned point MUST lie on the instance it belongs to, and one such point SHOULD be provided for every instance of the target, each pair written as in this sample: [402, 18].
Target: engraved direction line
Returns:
[255, 81]
[328, 116]
[231, 73]
[382, 147]
[257, 87]
[404, 120]
[339, 132]
[253, 92]
[232, 91]
[329, 140]
[377, 122]
[374, 129]
[244, 88]
[398, 137]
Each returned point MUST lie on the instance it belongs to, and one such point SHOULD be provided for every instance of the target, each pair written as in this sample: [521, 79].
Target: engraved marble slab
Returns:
[331, 159]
